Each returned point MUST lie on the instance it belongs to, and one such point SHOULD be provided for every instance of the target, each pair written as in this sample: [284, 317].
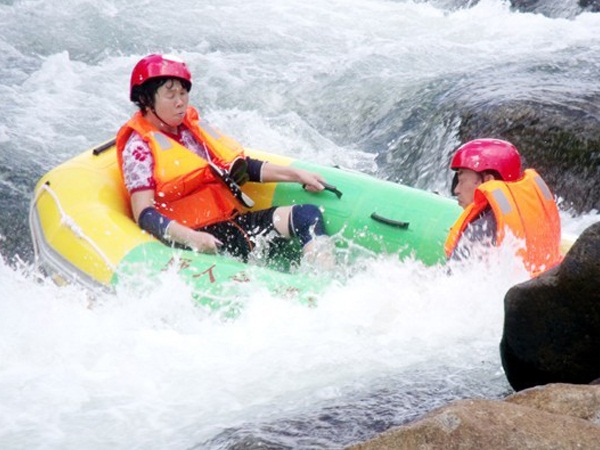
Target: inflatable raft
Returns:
[83, 232]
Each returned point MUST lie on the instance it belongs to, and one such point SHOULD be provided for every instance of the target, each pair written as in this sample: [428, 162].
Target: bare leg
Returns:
[281, 220]
[318, 252]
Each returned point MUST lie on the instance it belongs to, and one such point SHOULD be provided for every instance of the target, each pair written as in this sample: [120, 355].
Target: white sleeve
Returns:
[138, 165]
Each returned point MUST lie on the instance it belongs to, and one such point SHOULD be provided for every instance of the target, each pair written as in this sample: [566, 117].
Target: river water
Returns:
[336, 81]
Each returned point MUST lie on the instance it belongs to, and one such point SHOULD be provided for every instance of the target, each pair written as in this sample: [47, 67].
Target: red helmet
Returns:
[489, 154]
[153, 66]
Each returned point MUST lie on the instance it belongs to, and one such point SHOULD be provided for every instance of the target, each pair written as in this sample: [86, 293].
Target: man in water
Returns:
[498, 198]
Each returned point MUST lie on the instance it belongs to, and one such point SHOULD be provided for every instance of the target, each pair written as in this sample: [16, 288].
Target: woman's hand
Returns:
[311, 181]
[198, 240]
[203, 242]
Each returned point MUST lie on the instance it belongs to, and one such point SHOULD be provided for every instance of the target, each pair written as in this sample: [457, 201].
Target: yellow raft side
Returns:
[263, 193]
[68, 202]
[70, 199]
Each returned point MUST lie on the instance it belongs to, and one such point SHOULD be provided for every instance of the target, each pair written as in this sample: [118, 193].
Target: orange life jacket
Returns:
[187, 190]
[527, 208]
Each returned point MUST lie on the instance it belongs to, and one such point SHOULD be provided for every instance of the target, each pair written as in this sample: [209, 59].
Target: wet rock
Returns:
[550, 8]
[552, 322]
[560, 140]
[590, 5]
[538, 419]
[550, 111]
[487, 424]
[564, 399]
[556, 8]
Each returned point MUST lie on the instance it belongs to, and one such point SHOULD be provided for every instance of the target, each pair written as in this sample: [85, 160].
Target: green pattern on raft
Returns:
[428, 216]
[218, 282]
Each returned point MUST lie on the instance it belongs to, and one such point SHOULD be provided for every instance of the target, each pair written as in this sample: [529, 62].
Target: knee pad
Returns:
[306, 222]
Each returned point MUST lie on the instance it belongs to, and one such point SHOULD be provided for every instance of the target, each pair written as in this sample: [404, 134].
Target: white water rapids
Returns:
[294, 77]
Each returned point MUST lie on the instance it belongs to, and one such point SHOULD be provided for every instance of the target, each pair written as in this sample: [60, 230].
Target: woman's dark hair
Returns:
[143, 95]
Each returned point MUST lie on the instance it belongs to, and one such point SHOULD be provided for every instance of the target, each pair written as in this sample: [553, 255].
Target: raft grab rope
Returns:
[68, 221]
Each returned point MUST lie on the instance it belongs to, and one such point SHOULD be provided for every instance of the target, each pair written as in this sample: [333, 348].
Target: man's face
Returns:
[468, 181]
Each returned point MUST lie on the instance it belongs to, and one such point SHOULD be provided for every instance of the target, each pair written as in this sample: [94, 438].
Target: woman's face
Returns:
[170, 102]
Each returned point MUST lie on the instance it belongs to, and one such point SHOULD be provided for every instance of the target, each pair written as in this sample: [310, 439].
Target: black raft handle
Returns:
[330, 188]
[391, 222]
[103, 147]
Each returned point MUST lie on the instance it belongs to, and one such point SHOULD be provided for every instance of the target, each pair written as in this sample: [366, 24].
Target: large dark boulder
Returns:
[560, 140]
[555, 124]
[552, 322]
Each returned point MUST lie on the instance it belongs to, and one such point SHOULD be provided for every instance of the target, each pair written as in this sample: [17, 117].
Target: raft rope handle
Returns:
[68, 221]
